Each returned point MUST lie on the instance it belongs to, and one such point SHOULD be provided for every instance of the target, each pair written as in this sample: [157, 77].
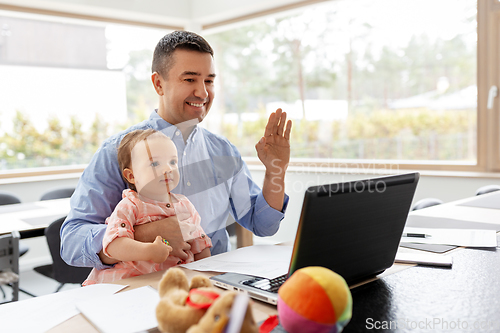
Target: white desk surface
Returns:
[466, 216]
[29, 216]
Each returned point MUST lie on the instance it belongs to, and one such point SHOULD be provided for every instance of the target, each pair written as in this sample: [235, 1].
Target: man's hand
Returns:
[274, 152]
[167, 228]
[273, 149]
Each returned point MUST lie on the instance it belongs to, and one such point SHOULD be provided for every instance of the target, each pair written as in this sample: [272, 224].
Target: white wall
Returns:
[444, 187]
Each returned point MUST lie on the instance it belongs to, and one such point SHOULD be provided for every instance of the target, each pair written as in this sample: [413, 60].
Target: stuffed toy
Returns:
[314, 299]
[217, 317]
[197, 307]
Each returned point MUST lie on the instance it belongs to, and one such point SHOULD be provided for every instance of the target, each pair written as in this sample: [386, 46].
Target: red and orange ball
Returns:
[314, 299]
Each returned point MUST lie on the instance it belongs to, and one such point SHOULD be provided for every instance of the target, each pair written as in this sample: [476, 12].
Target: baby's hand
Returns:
[159, 250]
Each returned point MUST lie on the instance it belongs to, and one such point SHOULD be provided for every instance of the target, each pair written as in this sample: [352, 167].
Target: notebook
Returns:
[353, 228]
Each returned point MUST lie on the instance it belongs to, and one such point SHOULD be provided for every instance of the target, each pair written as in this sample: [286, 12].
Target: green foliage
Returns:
[26, 147]
[418, 134]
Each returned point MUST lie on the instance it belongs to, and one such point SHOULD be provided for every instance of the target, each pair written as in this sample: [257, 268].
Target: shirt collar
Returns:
[168, 129]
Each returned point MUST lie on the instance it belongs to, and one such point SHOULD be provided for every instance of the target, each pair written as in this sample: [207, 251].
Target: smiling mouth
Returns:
[198, 105]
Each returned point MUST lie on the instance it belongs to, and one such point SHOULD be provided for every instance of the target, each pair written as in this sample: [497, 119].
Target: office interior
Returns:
[442, 183]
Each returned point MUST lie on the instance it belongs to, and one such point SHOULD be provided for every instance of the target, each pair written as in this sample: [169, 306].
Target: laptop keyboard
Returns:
[270, 285]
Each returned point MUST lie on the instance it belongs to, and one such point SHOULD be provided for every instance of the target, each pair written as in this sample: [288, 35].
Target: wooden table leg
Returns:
[244, 237]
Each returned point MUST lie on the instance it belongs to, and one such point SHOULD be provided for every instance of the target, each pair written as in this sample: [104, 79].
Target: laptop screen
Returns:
[353, 228]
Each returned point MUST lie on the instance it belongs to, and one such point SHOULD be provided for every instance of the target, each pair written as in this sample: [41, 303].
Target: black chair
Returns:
[7, 198]
[60, 270]
[58, 193]
[487, 189]
[427, 202]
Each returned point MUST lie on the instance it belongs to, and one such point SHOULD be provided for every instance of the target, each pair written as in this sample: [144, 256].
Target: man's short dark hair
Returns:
[186, 40]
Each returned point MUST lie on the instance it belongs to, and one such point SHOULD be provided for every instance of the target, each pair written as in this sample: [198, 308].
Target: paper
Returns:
[268, 261]
[39, 314]
[423, 259]
[459, 237]
[127, 312]
[490, 200]
[462, 222]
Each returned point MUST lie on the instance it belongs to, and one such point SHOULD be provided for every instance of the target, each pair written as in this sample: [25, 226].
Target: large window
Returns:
[362, 79]
[365, 81]
[66, 85]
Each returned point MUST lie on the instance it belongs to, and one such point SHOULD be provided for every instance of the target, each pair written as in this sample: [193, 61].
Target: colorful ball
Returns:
[314, 299]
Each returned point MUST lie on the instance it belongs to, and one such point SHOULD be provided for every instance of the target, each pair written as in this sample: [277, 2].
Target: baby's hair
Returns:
[127, 144]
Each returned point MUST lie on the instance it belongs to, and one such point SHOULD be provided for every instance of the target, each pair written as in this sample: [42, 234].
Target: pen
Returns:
[410, 234]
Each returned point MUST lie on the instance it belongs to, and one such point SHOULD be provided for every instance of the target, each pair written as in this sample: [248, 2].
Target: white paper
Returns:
[490, 200]
[40, 314]
[458, 237]
[425, 221]
[268, 261]
[424, 259]
[127, 312]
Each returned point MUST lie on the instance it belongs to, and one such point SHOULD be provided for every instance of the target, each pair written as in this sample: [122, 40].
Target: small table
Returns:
[31, 219]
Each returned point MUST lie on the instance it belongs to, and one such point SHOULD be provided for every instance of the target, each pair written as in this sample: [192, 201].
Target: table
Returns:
[416, 299]
[79, 324]
[31, 219]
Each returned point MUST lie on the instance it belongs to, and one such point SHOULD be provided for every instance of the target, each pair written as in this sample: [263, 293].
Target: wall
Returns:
[442, 186]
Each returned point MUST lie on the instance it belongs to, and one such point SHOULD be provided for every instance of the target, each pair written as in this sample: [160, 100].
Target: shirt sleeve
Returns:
[249, 207]
[96, 195]
[120, 223]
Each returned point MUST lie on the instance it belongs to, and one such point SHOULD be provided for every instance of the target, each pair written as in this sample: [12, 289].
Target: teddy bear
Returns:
[217, 317]
[195, 307]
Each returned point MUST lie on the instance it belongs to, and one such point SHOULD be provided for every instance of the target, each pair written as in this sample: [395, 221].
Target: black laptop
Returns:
[353, 228]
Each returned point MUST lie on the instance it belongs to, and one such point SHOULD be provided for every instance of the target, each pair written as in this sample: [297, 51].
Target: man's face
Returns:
[154, 167]
[187, 91]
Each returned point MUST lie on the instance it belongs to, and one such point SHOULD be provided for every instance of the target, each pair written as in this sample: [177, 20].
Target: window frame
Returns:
[488, 121]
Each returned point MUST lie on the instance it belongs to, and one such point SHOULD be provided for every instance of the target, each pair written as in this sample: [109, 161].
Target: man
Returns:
[213, 175]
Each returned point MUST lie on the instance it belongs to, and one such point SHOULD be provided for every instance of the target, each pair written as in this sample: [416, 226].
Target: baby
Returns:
[148, 161]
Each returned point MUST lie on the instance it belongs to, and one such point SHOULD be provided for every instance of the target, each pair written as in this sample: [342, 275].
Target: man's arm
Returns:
[273, 150]
[167, 228]
[98, 192]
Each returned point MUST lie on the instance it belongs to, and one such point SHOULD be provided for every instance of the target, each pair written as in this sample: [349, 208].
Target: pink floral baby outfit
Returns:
[134, 209]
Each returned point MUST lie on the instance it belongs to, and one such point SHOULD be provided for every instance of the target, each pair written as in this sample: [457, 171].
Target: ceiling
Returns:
[195, 15]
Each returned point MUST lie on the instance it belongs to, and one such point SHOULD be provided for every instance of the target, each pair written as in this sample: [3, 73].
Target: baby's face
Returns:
[154, 165]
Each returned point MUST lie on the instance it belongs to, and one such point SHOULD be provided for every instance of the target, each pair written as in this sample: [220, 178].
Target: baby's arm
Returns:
[203, 254]
[127, 249]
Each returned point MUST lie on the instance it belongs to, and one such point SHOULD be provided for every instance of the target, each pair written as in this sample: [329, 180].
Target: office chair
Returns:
[7, 198]
[9, 263]
[487, 189]
[427, 202]
[59, 270]
[58, 193]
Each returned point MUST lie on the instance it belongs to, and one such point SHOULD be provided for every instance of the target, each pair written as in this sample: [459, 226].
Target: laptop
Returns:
[353, 228]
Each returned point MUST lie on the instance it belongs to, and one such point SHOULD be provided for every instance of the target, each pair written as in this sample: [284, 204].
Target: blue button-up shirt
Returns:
[213, 177]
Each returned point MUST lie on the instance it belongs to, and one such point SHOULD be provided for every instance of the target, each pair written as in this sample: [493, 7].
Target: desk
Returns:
[417, 299]
[31, 219]
[468, 292]
[79, 324]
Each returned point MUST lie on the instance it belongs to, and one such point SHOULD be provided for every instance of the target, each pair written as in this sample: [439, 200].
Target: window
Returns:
[363, 79]
[66, 85]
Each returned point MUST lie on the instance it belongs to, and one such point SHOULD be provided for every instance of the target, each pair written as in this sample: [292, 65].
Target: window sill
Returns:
[304, 166]
[41, 174]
